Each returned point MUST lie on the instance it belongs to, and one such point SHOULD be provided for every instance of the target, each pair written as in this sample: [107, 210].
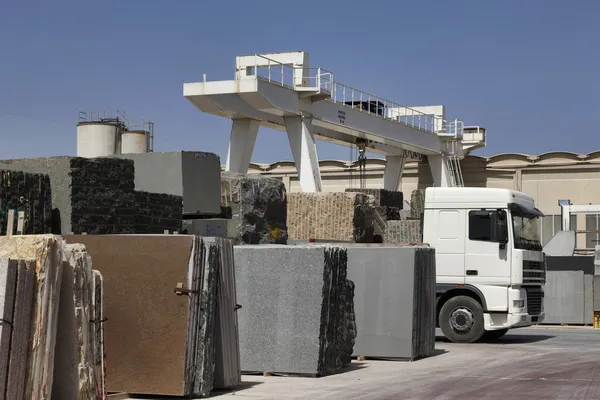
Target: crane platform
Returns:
[281, 91]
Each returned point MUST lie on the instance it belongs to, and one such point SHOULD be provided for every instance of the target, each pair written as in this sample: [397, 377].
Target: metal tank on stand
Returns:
[105, 134]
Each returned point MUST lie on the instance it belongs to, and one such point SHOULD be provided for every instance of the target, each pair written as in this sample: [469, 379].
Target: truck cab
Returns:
[489, 260]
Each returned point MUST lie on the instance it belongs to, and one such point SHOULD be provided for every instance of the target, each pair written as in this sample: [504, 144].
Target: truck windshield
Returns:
[526, 232]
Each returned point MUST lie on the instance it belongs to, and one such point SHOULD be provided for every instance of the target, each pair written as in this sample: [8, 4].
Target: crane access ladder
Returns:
[454, 171]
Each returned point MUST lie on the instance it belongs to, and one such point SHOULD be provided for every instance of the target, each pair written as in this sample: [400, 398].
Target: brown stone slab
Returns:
[146, 326]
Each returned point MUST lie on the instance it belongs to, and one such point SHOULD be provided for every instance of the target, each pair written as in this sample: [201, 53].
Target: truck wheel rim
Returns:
[462, 320]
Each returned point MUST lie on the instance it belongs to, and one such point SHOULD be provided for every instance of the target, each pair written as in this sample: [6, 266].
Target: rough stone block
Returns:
[93, 196]
[296, 314]
[382, 197]
[257, 205]
[29, 193]
[192, 175]
[403, 231]
[417, 204]
[155, 213]
[331, 216]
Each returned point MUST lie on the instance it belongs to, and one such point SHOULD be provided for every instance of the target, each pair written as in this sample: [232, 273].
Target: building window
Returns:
[550, 224]
[591, 224]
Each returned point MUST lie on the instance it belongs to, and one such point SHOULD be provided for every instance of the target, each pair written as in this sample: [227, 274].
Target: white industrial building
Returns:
[548, 178]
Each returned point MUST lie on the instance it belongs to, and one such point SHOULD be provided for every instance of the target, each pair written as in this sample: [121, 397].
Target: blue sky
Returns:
[526, 70]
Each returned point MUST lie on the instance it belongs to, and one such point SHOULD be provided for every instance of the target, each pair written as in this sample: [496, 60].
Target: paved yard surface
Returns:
[532, 363]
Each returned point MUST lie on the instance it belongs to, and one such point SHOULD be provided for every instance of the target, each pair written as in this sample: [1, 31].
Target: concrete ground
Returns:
[527, 363]
[532, 363]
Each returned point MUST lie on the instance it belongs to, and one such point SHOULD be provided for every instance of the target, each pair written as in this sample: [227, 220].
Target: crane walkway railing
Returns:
[321, 81]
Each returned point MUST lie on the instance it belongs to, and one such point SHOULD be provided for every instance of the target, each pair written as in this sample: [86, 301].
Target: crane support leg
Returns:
[392, 175]
[304, 150]
[241, 144]
[439, 170]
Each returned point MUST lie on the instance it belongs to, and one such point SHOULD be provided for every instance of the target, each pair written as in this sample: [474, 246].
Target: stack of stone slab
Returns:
[345, 217]
[258, 207]
[298, 310]
[46, 343]
[388, 204]
[172, 307]
[29, 193]
[409, 230]
[394, 300]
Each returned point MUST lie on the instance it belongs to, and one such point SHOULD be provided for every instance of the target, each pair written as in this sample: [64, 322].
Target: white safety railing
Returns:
[454, 127]
[292, 77]
[321, 80]
[386, 109]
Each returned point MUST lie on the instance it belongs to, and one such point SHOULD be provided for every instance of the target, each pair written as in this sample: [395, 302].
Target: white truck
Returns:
[489, 260]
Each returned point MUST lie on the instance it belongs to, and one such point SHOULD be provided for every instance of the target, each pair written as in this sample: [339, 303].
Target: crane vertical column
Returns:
[392, 175]
[241, 144]
[439, 170]
[304, 150]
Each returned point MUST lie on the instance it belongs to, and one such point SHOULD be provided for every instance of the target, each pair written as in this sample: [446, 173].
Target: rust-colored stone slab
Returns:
[146, 327]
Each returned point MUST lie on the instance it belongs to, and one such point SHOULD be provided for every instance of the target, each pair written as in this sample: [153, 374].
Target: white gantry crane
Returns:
[281, 91]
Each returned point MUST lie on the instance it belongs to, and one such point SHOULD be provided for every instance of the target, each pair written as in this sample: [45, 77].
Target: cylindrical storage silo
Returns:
[134, 142]
[97, 139]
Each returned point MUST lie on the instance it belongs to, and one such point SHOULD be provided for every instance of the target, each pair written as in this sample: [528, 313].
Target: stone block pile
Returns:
[187, 318]
[47, 350]
[409, 230]
[102, 196]
[29, 193]
[298, 309]
[257, 205]
[388, 204]
[93, 196]
[156, 211]
[346, 217]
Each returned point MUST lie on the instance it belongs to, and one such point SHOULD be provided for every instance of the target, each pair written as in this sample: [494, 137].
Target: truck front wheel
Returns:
[461, 320]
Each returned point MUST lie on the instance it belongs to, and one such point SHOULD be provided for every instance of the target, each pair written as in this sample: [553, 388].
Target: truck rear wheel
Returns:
[461, 320]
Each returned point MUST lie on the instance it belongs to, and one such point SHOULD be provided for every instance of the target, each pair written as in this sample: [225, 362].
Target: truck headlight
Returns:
[518, 303]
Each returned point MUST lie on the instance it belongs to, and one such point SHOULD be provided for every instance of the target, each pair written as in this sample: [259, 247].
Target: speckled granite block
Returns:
[295, 315]
[331, 216]
[403, 231]
[417, 203]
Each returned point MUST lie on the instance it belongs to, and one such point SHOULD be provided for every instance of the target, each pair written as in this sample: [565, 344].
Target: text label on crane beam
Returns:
[342, 116]
[413, 155]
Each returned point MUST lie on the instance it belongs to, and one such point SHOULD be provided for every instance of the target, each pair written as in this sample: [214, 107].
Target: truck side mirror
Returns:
[500, 228]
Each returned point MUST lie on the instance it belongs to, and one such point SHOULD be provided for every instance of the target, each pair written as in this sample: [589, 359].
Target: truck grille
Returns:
[534, 273]
[535, 297]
